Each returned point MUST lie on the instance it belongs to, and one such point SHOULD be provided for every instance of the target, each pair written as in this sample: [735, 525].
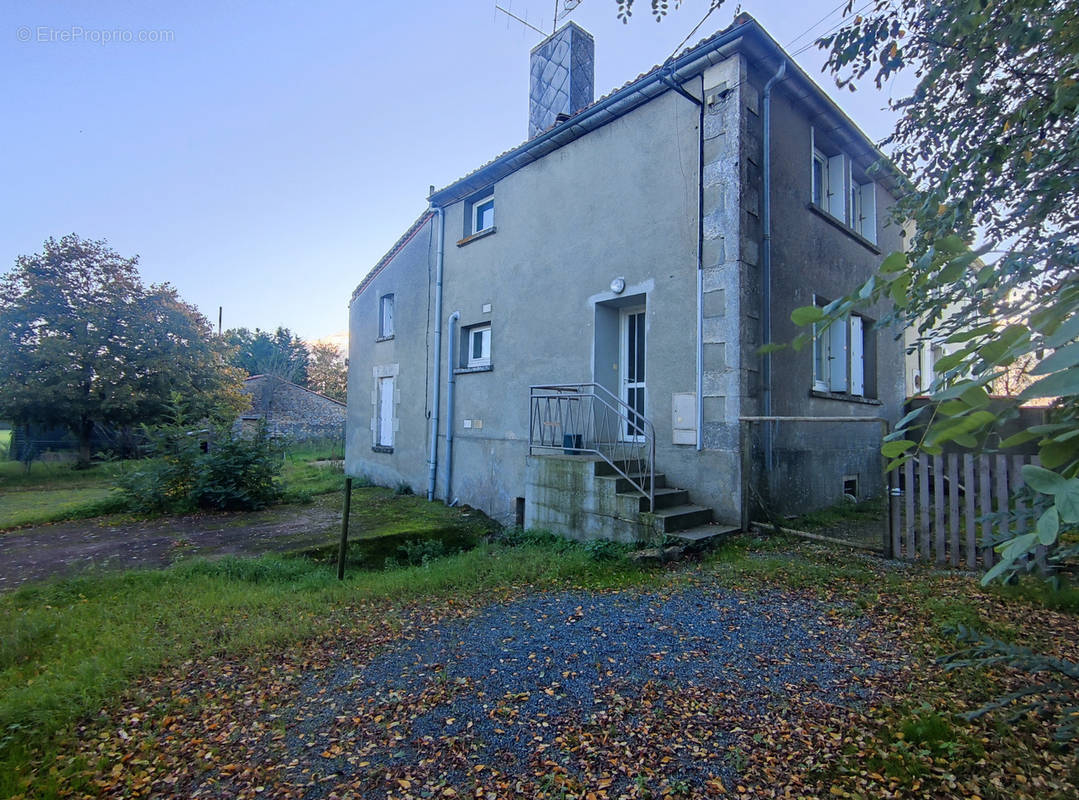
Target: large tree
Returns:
[83, 342]
[989, 140]
[327, 373]
[281, 353]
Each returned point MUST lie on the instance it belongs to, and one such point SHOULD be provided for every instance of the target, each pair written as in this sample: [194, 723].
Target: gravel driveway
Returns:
[613, 690]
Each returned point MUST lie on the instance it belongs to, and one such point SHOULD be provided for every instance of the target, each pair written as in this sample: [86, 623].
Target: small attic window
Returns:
[483, 213]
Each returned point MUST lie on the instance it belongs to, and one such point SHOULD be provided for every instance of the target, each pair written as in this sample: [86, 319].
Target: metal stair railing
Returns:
[587, 419]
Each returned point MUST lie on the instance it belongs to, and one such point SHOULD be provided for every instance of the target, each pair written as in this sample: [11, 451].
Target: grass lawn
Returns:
[53, 492]
[29, 507]
[50, 492]
[119, 684]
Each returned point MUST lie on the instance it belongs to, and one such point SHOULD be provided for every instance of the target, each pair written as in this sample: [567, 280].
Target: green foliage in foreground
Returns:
[236, 473]
[989, 141]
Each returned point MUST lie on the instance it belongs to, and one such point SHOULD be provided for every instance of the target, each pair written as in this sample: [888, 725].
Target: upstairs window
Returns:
[843, 189]
[483, 213]
[385, 316]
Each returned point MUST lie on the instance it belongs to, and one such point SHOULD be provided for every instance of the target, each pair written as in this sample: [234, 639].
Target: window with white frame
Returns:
[842, 188]
[385, 316]
[842, 353]
[483, 213]
[477, 340]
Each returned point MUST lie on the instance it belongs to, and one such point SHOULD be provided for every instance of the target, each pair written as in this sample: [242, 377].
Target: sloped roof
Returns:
[406, 237]
[744, 33]
[290, 383]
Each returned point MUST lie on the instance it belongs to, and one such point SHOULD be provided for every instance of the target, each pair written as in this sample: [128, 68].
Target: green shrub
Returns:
[236, 473]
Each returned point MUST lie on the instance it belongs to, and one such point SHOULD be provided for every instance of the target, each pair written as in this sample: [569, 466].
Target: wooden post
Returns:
[985, 498]
[908, 507]
[895, 545]
[969, 492]
[938, 506]
[746, 467]
[953, 508]
[343, 550]
[923, 506]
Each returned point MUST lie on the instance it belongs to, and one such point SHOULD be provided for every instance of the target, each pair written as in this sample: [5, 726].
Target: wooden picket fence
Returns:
[948, 508]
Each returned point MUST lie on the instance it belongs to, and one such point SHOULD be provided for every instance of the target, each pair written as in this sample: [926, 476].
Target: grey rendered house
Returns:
[569, 336]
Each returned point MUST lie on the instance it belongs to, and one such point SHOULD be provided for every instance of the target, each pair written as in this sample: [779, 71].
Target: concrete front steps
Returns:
[673, 515]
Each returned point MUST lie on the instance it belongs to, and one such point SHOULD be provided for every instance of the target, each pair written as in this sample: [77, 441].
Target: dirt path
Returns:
[68, 548]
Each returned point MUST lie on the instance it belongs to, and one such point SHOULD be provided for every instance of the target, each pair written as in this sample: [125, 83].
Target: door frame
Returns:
[624, 384]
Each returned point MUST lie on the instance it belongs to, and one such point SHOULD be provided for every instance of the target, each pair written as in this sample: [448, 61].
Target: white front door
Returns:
[631, 369]
[385, 412]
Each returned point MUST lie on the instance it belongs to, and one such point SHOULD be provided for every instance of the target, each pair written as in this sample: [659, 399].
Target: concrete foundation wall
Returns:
[565, 496]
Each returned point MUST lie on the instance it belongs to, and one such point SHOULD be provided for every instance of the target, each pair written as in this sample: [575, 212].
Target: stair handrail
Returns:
[609, 405]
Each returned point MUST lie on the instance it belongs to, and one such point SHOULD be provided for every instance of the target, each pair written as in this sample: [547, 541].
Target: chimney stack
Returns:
[562, 77]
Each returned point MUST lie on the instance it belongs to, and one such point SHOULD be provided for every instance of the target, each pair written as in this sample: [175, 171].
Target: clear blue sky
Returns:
[262, 156]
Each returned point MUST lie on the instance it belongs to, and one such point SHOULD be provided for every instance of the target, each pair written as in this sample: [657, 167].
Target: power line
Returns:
[815, 24]
[715, 5]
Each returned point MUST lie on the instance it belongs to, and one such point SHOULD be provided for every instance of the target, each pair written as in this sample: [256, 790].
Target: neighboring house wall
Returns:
[292, 411]
[622, 202]
[406, 356]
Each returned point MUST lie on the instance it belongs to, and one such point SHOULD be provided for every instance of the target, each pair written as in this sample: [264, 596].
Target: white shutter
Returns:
[385, 412]
[837, 335]
[857, 357]
[837, 187]
[869, 211]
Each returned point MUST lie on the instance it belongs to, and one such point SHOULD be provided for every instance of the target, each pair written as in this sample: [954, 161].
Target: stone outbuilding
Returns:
[292, 411]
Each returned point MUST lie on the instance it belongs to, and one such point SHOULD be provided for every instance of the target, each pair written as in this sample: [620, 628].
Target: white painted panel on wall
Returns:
[837, 187]
[684, 417]
[837, 335]
[857, 356]
[386, 411]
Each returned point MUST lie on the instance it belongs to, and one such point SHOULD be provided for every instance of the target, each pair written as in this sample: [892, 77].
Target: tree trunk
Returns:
[84, 432]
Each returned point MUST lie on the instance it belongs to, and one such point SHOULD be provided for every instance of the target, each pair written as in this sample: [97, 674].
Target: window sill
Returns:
[384, 338]
[381, 448]
[841, 225]
[470, 370]
[478, 235]
[844, 397]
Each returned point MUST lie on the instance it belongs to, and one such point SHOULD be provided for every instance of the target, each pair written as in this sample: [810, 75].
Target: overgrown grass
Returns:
[69, 647]
[874, 510]
[52, 475]
[53, 492]
[28, 507]
[5, 444]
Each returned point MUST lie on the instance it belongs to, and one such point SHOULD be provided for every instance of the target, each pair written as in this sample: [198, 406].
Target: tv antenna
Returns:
[562, 9]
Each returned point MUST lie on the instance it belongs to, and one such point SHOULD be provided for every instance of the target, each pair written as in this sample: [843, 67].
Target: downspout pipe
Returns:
[450, 386]
[699, 102]
[432, 459]
[766, 264]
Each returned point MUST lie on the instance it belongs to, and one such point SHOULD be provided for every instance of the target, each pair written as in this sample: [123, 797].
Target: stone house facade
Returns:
[570, 335]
